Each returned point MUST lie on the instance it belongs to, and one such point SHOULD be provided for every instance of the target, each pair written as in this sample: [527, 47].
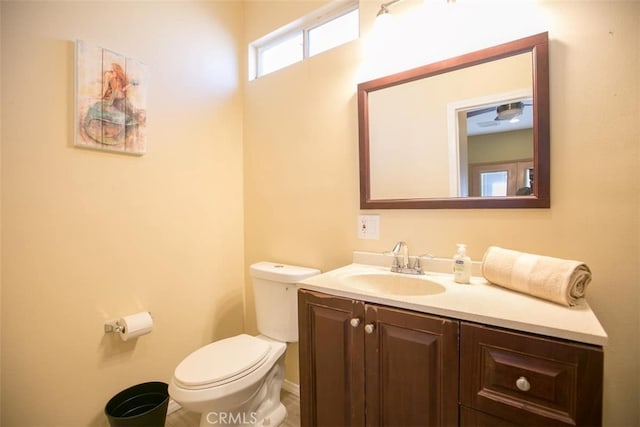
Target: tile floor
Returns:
[183, 418]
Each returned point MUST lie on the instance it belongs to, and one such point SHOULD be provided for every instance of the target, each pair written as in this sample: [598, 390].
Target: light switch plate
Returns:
[369, 227]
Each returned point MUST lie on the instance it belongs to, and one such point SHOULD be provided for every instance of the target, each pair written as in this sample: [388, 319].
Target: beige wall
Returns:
[501, 146]
[301, 164]
[90, 236]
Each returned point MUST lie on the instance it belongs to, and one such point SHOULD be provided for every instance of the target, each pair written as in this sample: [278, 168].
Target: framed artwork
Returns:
[111, 98]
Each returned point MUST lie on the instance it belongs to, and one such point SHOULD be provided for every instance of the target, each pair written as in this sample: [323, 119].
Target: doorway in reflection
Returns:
[501, 179]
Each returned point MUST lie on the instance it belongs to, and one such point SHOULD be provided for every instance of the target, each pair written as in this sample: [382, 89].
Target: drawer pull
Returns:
[355, 322]
[369, 328]
[523, 384]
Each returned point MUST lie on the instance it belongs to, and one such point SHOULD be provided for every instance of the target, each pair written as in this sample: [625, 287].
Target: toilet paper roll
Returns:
[135, 325]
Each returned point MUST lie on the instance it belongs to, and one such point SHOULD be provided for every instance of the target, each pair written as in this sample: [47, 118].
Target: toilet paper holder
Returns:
[114, 326]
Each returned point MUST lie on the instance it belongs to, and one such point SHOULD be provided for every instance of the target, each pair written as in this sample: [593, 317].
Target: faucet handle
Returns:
[396, 263]
[416, 263]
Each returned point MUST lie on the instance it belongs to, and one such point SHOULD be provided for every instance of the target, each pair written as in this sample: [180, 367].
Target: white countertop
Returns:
[479, 302]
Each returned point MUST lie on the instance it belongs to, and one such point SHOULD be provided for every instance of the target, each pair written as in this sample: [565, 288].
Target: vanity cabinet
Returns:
[528, 380]
[369, 364]
[366, 364]
[331, 355]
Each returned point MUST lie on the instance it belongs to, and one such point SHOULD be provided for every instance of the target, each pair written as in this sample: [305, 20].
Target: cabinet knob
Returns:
[369, 328]
[355, 322]
[523, 384]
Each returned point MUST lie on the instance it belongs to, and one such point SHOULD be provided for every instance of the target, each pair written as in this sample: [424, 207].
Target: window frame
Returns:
[315, 19]
[516, 175]
[272, 43]
[328, 19]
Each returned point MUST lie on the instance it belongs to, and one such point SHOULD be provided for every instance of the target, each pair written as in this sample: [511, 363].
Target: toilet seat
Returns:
[221, 362]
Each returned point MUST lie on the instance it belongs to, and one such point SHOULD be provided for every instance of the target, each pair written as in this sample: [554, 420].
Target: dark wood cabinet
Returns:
[530, 380]
[368, 364]
[332, 361]
[365, 364]
[411, 368]
[472, 418]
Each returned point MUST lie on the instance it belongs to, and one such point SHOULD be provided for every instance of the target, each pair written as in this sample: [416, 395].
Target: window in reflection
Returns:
[501, 179]
[493, 183]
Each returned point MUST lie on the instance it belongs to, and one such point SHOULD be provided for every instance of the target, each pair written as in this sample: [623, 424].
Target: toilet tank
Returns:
[276, 299]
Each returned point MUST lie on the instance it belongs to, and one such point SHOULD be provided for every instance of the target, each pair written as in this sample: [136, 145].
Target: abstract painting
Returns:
[111, 91]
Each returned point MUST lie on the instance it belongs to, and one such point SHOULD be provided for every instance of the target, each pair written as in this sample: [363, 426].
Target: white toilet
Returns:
[237, 380]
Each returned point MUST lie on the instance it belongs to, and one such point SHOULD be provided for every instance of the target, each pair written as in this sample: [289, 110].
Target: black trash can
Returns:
[141, 405]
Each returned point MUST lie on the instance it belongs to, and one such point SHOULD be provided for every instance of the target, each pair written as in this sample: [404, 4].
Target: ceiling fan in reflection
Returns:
[510, 111]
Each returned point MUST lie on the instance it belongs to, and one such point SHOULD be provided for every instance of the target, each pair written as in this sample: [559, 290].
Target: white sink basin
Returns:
[392, 284]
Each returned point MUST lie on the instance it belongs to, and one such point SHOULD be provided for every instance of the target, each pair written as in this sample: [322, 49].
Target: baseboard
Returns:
[173, 406]
[292, 388]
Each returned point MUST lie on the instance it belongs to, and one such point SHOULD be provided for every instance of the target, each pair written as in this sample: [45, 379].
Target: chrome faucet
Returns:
[402, 250]
[401, 246]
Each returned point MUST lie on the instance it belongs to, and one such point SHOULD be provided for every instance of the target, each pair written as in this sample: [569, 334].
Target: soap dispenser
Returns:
[461, 265]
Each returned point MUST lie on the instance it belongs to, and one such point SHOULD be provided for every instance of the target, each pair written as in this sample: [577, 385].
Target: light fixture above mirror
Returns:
[384, 8]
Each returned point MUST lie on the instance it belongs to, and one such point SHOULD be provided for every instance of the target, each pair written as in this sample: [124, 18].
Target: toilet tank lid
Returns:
[281, 272]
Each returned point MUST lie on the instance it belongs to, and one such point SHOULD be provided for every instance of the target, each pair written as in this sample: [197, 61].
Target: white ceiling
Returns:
[486, 123]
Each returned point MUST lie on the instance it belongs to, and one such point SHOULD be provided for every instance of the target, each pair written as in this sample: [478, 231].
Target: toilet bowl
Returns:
[237, 380]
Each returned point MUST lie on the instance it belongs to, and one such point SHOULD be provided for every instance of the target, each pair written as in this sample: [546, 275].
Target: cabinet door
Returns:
[411, 368]
[331, 360]
[530, 380]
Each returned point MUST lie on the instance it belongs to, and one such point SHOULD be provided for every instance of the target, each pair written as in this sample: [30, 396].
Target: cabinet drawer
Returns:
[530, 380]
[473, 418]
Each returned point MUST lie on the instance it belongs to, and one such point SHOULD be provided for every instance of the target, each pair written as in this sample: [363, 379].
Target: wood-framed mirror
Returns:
[467, 132]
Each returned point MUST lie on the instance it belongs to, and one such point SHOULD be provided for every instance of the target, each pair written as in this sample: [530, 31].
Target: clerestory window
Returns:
[320, 31]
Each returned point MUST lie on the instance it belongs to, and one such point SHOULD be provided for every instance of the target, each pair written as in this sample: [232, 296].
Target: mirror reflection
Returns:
[411, 152]
[497, 142]
[473, 127]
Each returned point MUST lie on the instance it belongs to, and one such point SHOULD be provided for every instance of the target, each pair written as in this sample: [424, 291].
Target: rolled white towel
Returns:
[554, 279]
